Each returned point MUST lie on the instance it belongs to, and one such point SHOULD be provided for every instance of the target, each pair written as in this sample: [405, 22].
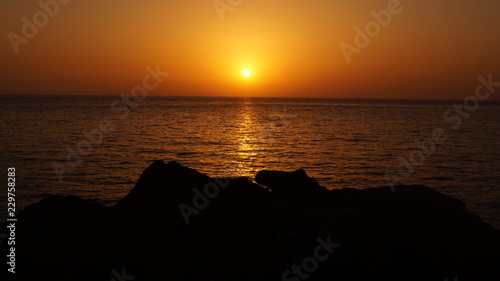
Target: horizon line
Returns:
[236, 97]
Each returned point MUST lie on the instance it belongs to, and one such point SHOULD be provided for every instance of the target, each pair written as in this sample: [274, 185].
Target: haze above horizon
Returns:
[383, 49]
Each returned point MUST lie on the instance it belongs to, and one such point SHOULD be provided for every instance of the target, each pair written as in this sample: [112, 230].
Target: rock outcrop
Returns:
[179, 224]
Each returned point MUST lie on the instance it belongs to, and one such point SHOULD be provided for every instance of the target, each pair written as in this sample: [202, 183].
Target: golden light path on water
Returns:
[247, 139]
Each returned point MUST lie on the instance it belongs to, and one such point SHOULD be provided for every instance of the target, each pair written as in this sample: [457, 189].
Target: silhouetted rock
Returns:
[162, 186]
[236, 229]
[295, 184]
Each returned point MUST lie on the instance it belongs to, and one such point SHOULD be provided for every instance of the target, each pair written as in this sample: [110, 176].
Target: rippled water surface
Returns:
[342, 143]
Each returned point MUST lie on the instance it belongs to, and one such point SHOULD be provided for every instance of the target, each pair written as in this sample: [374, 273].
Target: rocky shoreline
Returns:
[179, 224]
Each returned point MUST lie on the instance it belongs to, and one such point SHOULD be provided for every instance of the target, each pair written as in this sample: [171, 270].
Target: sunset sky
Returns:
[431, 49]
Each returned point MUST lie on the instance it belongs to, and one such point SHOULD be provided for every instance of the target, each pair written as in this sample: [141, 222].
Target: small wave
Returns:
[359, 140]
[185, 153]
[439, 178]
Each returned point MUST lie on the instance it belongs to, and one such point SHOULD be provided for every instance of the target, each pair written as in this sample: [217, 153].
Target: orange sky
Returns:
[428, 50]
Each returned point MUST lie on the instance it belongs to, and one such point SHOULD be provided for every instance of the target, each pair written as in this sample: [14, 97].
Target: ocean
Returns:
[341, 143]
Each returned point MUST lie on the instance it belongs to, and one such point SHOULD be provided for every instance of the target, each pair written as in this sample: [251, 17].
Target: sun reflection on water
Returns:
[245, 157]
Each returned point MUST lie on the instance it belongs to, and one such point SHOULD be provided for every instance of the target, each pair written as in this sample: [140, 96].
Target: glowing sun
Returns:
[247, 73]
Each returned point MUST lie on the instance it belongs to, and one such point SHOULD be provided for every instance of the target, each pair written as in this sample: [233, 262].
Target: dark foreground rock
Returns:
[179, 224]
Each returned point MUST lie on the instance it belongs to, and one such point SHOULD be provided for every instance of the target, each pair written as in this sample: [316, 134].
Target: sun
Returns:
[247, 73]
